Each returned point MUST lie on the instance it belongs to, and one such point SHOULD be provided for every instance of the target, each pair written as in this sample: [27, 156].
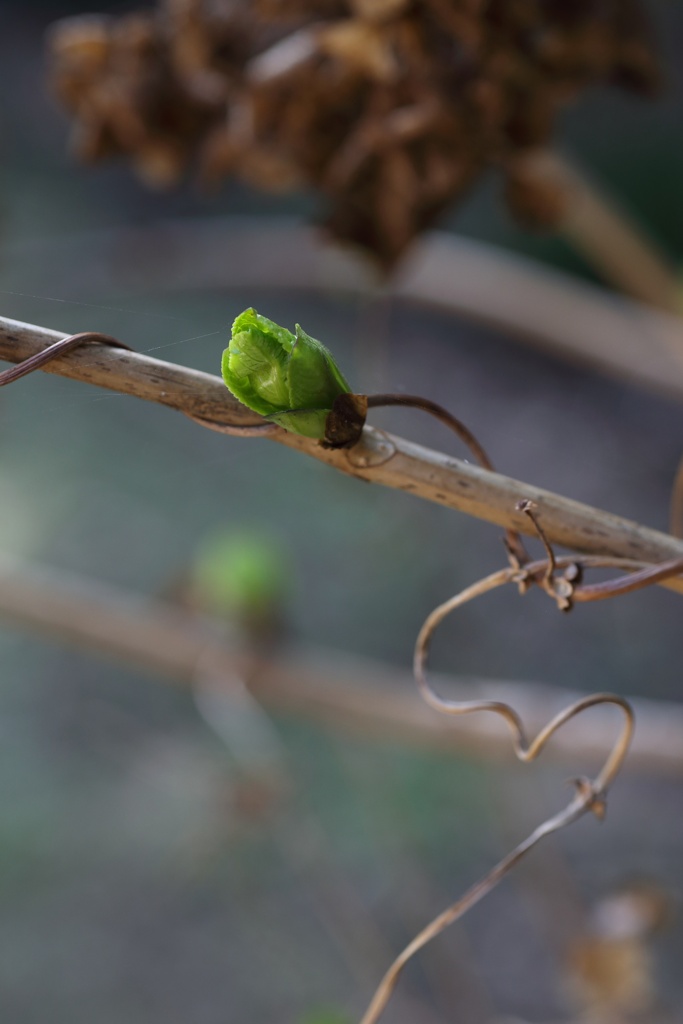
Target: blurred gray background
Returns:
[134, 885]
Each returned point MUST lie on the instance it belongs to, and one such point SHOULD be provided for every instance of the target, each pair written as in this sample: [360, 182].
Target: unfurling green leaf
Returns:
[290, 379]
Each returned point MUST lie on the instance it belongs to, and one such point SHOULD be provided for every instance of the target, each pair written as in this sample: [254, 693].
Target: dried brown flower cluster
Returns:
[390, 108]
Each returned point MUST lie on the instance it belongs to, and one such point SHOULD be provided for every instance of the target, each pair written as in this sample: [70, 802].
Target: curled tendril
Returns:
[59, 348]
[525, 750]
[513, 542]
[73, 341]
[590, 794]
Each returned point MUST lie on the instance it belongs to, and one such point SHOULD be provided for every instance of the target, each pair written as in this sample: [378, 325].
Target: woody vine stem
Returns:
[379, 458]
[561, 578]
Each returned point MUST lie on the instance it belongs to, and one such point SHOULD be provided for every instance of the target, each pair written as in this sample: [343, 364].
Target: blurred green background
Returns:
[137, 881]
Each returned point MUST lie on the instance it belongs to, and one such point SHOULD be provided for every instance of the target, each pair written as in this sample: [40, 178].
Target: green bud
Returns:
[288, 378]
[240, 572]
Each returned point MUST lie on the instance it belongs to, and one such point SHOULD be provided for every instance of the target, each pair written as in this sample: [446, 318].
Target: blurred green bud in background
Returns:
[290, 379]
[241, 574]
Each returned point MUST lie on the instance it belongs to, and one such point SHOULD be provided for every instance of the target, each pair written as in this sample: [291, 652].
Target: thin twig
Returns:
[567, 589]
[513, 541]
[580, 805]
[379, 457]
[441, 414]
[629, 583]
[529, 509]
[589, 796]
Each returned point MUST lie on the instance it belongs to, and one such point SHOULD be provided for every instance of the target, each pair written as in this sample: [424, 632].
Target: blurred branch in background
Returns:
[528, 301]
[676, 507]
[378, 457]
[335, 689]
[602, 232]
